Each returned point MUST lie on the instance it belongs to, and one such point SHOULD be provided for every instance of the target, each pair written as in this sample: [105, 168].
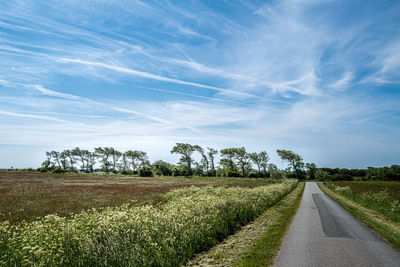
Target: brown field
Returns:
[28, 195]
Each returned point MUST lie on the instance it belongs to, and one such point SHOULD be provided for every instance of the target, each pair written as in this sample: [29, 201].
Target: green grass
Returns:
[388, 231]
[25, 196]
[265, 250]
[383, 197]
[391, 187]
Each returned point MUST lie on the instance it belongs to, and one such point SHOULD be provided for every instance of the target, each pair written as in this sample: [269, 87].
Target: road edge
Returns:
[370, 218]
[265, 250]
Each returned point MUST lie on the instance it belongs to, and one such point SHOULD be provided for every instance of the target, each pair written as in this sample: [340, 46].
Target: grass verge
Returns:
[387, 230]
[245, 246]
[265, 250]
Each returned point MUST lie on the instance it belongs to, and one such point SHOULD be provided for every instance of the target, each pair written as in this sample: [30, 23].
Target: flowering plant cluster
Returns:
[186, 222]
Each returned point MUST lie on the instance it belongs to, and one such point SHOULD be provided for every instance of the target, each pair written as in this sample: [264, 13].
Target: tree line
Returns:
[391, 173]
[233, 162]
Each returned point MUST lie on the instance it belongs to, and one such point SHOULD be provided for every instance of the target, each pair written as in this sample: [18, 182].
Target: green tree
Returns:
[115, 156]
[71, 158]
[242, 158]
[227, 163]
[204, 159]
[261, 161]
[143, 158]
[104, 154]
[295, 162]
[211, 156]
[79, 154]
[186, 151]
[311, 170]
[133, 158]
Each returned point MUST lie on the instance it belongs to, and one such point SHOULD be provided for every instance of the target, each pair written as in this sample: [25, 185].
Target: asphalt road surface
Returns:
[325, 234]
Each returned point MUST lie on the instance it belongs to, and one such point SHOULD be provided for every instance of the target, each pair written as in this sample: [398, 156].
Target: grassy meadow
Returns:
[29, 195]
[381, 196]
[165, 232]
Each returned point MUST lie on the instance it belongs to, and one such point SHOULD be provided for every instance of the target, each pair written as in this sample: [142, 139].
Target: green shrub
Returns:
[278, 174]
[42, 169]
[58, 170]
[253, 175]
[231, 173]
[145, 172]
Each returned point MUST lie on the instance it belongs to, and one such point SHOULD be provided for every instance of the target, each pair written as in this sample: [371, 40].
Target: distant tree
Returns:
[295, 162]
[104, 154]
[242, 158]
[115, 156]
[261, 161]
[143, 158]
[254, 158]
[264, 159]
[90, 160]
[211, 156]
[54, 158]
[311, 170]
[133, 158]
[79, 155]
[123, 166]
[64, 160]
[186, 151]
[228, 155]
[204, 159]
[71, 159]
[272, 168]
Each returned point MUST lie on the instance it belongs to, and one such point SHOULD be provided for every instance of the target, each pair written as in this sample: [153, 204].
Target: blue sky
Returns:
[321, 78]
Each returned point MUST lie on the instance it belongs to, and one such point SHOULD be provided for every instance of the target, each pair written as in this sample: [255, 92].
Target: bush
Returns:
[211, 173]
[185, 171]
[253, 175]
[175, 171]
[278, 174]
[161, 168]
[145, 172]
[42, 169]
[231, 173]
[58, 170]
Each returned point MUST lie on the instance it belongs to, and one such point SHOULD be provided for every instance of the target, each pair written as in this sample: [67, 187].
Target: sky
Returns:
[320, 78]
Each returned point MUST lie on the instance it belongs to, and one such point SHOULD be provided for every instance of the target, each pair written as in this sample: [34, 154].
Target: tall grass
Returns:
[187, 221]
[380, 201]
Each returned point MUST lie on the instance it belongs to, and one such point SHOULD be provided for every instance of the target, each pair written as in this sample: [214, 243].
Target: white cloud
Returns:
[159, 78]
[30, 116]
[344, 82]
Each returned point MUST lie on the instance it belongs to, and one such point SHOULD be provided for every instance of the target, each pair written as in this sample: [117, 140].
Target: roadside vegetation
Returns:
[374, 203]
[257, 243]
[185, 222]
[382, 197]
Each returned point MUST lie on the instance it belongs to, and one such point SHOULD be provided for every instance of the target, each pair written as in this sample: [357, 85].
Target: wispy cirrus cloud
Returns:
[158, 77]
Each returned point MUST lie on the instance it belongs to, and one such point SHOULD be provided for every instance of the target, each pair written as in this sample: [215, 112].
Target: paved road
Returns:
[324, 234]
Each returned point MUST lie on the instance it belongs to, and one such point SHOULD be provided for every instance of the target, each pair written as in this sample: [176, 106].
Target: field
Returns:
[28, 195]
[165, 232]
[383, 197]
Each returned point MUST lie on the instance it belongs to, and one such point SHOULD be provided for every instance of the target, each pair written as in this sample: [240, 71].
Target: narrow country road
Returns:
[324, 234]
